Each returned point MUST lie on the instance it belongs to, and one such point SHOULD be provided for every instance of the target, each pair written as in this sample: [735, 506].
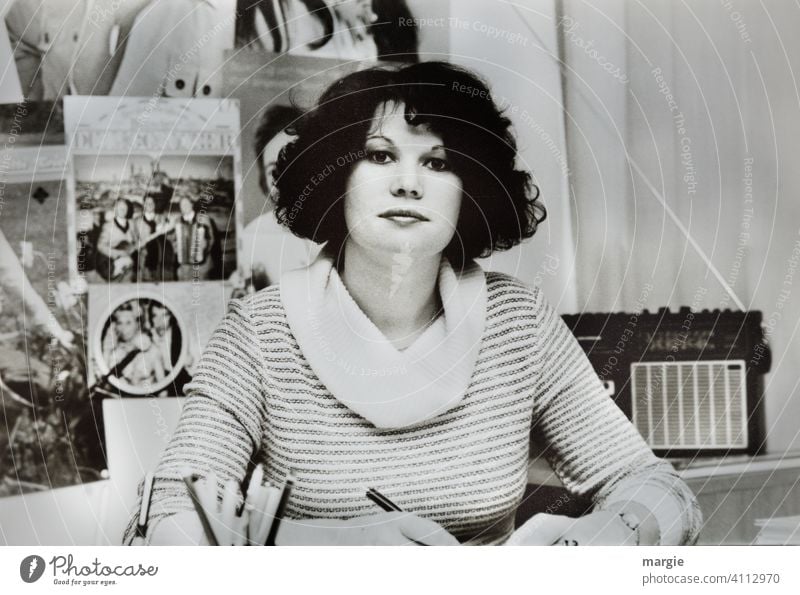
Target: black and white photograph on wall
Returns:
[10, 86]
[68, 47]
[138, 48]
[271, 88]
[45, 399]
[154, 206]
[32, 123]
[144, 218]
[146, 339]
[140, 348]
[361, 272]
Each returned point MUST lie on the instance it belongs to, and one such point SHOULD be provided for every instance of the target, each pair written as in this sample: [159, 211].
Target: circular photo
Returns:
[140, 348]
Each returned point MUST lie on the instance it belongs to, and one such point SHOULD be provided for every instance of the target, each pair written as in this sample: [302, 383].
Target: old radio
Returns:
[691, 382]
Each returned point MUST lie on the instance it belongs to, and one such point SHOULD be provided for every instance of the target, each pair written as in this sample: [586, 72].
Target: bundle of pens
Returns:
[252, 520]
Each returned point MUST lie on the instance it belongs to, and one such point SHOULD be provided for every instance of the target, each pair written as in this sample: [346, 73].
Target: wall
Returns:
[683, 176]
[515, 47]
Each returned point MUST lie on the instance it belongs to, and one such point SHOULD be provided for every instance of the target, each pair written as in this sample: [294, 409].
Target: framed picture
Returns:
[139, 348]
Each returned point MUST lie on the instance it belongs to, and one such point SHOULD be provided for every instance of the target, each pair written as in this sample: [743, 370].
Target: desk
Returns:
[732, 493]
[736, 491]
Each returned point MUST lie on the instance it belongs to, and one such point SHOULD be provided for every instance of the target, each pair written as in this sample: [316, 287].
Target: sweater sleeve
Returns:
[590, 443]
[222, 421]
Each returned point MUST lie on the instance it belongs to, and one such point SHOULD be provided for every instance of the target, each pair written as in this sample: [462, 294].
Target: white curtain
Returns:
[514, 46]
[682, 128]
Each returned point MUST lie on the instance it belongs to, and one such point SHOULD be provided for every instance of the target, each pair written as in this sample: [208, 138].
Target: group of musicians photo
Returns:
[160, 231]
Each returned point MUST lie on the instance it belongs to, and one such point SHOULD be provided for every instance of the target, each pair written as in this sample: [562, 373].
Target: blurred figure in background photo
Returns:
[155, 257]
[162, 55]
[194, 242]
[129, 351]
[268, 247]
[116, 244]
[68, 47]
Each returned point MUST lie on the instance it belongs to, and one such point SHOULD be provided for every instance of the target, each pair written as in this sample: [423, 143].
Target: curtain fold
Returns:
[682, 125]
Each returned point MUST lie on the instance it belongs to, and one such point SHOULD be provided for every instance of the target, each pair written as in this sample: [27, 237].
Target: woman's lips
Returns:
[403, 217]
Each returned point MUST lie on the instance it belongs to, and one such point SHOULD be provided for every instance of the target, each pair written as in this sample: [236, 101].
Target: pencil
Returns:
[201, 513]
[287, 491]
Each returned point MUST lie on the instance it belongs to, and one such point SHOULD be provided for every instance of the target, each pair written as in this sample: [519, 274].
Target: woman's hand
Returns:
[387, 528]
[598, 528]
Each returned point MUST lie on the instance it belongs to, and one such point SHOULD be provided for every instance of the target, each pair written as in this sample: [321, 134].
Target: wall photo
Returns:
[145, 218]
[43, 391]
[140, 349]
[156, 188]
[142, 48]
[145, 339]
[272, 90]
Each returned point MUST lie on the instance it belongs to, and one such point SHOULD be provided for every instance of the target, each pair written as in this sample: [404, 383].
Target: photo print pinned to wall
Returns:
[32, 123]
[157, 182]
[273, 90]
[44, 397]
[70, 46]
[162, 56]
[144, 48]
[146, 339]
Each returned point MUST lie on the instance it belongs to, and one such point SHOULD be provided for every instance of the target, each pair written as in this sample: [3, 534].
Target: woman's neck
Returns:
[397, 292]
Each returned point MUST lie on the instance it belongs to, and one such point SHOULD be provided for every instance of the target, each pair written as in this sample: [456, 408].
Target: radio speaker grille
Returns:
[697, 405]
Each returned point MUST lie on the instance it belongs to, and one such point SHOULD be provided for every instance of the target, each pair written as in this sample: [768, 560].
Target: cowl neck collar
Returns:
[359, 365]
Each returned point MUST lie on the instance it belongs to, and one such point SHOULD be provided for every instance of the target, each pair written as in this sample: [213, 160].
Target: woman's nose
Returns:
[406, 182]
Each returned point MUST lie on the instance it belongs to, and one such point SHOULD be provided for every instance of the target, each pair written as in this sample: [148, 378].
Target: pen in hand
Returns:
[388, 506]
[382, 501]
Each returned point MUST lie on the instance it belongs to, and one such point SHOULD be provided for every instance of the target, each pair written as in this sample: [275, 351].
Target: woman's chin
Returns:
[407, 248]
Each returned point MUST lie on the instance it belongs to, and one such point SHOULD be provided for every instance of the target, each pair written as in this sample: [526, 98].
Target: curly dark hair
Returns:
[273, 121]
[499, 207]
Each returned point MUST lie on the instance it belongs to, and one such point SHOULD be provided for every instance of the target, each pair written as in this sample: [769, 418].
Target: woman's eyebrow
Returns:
[380, 137]
[391, 142]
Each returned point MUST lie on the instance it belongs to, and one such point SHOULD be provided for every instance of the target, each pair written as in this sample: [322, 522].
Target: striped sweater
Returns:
[255, 399]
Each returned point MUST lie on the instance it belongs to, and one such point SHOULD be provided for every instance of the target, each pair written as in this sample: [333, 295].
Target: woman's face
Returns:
[403, 195]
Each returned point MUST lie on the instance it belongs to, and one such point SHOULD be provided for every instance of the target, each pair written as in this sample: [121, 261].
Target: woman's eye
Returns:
[437, 164]
[379, 156]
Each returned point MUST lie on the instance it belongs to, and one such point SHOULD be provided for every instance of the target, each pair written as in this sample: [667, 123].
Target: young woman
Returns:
[395, 362]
